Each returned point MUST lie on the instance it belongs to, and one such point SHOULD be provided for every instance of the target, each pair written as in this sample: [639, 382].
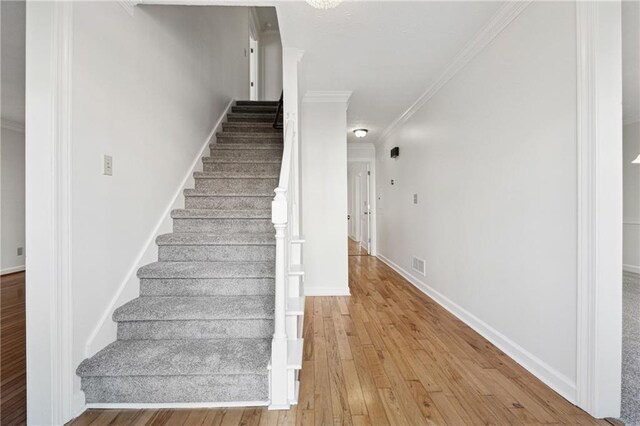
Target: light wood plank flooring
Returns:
[13, 395]
[388, 355]
[355, 249]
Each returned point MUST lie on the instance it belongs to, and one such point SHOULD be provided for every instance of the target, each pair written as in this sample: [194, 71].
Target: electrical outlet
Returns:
[415, 198]
[20, 251]
[107, 165]
[393, 181]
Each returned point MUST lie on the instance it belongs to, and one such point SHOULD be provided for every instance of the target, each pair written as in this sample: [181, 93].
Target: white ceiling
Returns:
[631, 60]
[386, 53]
[12, 49]
[268, 18]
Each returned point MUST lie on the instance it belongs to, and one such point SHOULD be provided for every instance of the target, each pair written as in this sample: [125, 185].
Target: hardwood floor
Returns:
[355, 249]
[13, 385]
[388, 355]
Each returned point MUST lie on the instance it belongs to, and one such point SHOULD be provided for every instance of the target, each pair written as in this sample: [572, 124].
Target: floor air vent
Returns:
[417, 265]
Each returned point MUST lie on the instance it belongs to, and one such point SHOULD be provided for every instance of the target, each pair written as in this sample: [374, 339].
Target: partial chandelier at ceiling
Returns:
[324, 4]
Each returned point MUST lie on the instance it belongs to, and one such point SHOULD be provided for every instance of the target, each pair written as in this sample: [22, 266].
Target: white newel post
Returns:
[279, 394]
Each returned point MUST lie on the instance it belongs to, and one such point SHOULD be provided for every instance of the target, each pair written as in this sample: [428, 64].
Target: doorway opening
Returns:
[359, 208]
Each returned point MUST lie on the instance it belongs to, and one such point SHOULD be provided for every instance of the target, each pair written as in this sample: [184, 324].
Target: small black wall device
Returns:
[395, 152]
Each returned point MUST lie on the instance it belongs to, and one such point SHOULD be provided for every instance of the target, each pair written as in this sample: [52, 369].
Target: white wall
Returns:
[492, 157]
[631, 187]
[270, 66]
[147, 90]
[323, 150]
[12, 208]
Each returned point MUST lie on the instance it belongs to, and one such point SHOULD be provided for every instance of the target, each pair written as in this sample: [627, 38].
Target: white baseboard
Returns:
[552, 378]
[177, 405]
[12, 270]
[631, 268]
[105, 330]
[79, 405]
[326, 291]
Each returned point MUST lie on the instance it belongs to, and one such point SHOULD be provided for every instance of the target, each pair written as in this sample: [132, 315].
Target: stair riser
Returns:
[267, 103]
[254, 118]
[230, 128]
[235, 253]
[228, 203]
[164, 389]
[236, 138]
[219, 226]
[201, 329]
[244, 168]
[247, 154]
[256, 109]
[236, 186]
[207, 287]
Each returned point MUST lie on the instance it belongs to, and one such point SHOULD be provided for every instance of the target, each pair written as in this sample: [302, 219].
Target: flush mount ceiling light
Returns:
[324, 4]
[360, 133]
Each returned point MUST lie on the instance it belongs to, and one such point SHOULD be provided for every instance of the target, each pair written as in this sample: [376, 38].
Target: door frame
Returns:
[599, 208]
[371, 166]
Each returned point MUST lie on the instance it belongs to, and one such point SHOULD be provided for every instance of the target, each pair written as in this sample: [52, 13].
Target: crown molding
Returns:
[128, 5]
[495, 26]
[313, 96]
[12, 125]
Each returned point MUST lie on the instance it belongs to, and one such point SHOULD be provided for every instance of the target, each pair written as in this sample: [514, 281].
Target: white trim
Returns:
[62, 302]
[599, 208]
[326, 291]
[631, 268]
[505, 15]
[48, 293]
[543, 371]
[104, 331]
[174, 405]
[12, 125]
[626, 121]
[254, 24]
[12, 270]
[338, 96]
[128, 6]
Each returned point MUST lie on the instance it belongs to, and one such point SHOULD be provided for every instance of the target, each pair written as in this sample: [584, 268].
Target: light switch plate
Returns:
[107, 166]
[20, 251]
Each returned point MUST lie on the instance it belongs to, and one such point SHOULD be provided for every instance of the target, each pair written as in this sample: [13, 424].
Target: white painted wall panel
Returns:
[323, 151]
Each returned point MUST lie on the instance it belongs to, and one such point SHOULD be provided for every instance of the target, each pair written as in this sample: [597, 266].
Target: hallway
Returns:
[388, 355]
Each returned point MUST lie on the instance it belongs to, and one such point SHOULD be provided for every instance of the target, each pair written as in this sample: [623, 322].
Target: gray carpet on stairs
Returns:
[201, 329]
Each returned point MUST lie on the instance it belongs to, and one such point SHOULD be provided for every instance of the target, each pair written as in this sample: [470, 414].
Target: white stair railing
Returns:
[286, 349]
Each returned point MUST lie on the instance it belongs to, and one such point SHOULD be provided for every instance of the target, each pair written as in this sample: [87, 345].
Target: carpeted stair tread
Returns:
[198, 239]
[212, 193]
[220, 214]
[167, 308]
[188, 357]
[208, 270]
[246, 146]
[240, 174]
[242, 160]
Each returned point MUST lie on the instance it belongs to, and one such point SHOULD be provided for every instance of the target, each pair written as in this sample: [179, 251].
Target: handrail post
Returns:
[279, 390]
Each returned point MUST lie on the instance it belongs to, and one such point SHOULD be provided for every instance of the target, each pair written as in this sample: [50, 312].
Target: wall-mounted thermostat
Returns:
[395, 152]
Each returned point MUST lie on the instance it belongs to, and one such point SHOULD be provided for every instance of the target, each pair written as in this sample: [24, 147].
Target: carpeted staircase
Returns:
[201, 330]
